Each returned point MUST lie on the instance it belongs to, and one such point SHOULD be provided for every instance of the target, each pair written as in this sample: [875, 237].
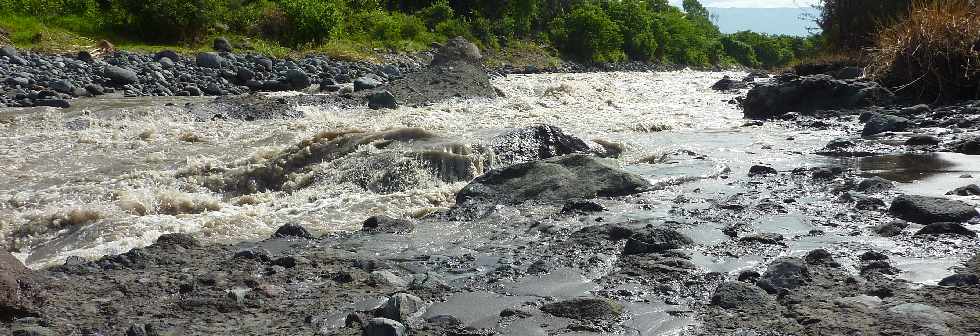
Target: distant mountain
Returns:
[787, 21]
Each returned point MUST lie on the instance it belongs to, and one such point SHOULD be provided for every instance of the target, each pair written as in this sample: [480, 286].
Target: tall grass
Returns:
[933, 54]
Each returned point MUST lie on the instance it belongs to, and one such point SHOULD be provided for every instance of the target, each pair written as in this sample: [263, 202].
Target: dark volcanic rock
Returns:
[14, 301]
[728, 84]
[292, 230]
[209, 60]
[221, 44]
[457, 50]
[297, 79]
[891, 229]
[655, 241]
[387, 224]
[960, 280]
[585, 309]
[177, 239]
[784, 274]
[535, 142]
[764, 238]
[574, 206]
[365, 83]
[922, 140]
[946, 228]
[380, 326]
[969, 146]
[120, 76]
[811, 93]
[455, 72]
[874, 185]
[758, 170]
[561, 178]
[739, 295]
[970, 190]
[382, 99]
[881, 123]
[926, 210]
[402, 306]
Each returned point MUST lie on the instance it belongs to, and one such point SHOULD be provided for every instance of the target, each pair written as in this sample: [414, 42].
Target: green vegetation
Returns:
[583, 30]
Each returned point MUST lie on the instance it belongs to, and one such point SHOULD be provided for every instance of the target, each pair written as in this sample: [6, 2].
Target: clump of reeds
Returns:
[933, 54]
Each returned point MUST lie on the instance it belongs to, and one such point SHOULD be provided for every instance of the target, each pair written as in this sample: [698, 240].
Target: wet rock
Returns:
[925, 210]
[749, 276]
[874, 185]
[922, 140]
[365, 83]
[809, 94]
[872, 256]
[209, 60]
[561, 178]
[768, 238]
[382, 100]
[582, 206]
[728, 84]
[784, 274]
[970, 190]
[881, 123]
[891, 229]
[386, 278]
[536, 142]
[821, 257]
[824, 173]
[878, 267]
[960, 280]
[401, 307]
[120, 76]
[14, 301]
[292, 230]
[739, 296]
[387, 224]
[585, 309]
[31, 330]
[869, 203]
[221, 44]
[456, 50]
[380, 326]
[946, 228]
[297, 79]
[177, 239]
[257, 254]
[969, 146]
[509, 312]
[655, 240]
[915, 319]
[11, 53]
[759, 170]
[59, 103]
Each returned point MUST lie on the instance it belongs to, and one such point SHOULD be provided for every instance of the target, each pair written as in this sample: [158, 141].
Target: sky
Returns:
[753, 3]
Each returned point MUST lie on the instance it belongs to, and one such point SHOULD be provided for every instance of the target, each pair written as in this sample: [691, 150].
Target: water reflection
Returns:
[906, 168]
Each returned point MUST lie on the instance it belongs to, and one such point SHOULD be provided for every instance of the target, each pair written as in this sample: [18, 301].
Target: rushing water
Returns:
[108, 175]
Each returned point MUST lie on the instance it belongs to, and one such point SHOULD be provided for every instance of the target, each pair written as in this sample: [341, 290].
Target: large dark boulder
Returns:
[783, 275]
[927, 210]
[728, 84]
[535, 142]
[455, 72]
[209, 60]
[15, 302]
[655, 241]
[881, 123]
[297, 79]
[382, 100]
[970, 146]
[11, 53]
[557, 179]
[739, 296]
[120, 76]
[585, 309]
[969, 190]
[946, 229]
[809, 94]
[221, 44]
[457, 49]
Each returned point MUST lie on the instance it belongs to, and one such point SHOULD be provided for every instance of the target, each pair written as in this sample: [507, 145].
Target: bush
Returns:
[169, 20]
[932, 55]
[436, 13]
[588, 34]
[740, 51]
[311, 20]
[635, 20]
[454, 28]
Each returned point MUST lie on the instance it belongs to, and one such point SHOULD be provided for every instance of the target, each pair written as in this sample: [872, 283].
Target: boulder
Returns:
[292, 230]
[209, 60]
[946, 228]
[922, 140]
[561, 178]
[874, 185]
[177, 239]
[784, 274]
[382, 100]
[970, 146]
[891, 229]
[59, 103]
[585, 309]
[809, 94]
[759, 170]
[380, 326]
[120, 76]
[401, 307]
[881, 123]
[650, 240]
[739, 296]
[365, 83]
[457, 49]
[536, 142]
[387, 224]
[172, 55]
[11, 53]
[970, 190]
[728, 84]
[221, 44]
[297, 79]
[927, 210]
[14, 301]
[767, 238]
[960, 280]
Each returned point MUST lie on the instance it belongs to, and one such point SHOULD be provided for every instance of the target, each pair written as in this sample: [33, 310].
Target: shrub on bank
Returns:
[589, 34]
[933, 54]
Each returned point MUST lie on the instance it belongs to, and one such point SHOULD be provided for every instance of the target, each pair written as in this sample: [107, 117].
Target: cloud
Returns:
[754, 3]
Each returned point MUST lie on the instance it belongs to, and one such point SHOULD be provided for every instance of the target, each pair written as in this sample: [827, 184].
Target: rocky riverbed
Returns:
[623, 203]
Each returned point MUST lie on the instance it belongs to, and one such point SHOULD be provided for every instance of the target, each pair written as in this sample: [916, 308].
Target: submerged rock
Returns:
[926, 210]
[946, 228]
[585, 309]
[728, 84]
[557, 179]
[809, 94]
[655, 240]
[292, 230]
[387, 224]
[536, 142]
[970, 190]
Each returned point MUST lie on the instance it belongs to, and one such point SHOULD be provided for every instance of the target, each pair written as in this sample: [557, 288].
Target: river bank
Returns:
[552, 204]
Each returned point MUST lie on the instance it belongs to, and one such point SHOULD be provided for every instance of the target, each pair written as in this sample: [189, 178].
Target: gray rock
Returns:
[14, 303]
[728, 84]
[62, 86]
[221, 44]
[768, 238]
[297, 79]
[166, 63]
[95, 89]
[809, 94]
[177, 239]
[380, 326]
[839, 143]
[401, 307]
[292, 230]
[759, 170]
[922, 140]
[120, 76]
[585, 309]
[891, 229]
[874, 185]
[970, 146]
[960, 280]
[18, 81]
[649, 240]
[11, 53]
[382, 99]
[536, 142]
[457, 49]
[386, 278]
[926, 210]
[881, 123]
[209, 60]
[915, 319]
[365, 83]
[739, 296]
[784, 274]
[970, 190]
[387, 224]
[59, 103]
[562, 178]
[946, 228]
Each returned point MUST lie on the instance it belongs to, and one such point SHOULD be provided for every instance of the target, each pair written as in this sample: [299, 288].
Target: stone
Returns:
[455, 50]
[209, 60]
[784, 274]
[915, 319]
[656, 240]
[759, 170]
[582, 206]
[739, 296]
[728, 84]
[402, 306]
[95, 89]
[11, 53]
[820, 257]
[839, 143]
[970, 146]
[380, 326]
[960, 280]
[881, 123]
[365, 83]
[922, 140]
[59, 103]
[946, 228]
[257, 254]
[297, 79]
[166, 63]
[387, 224]
[926, 210]
[535, 142]
[386, 278]
[120, 76]
[14, 302]
[561, 178]
[891, 229]
[172, 55]
[292, 230]
[382, 100]
[767, 238]
[221, 44]
[177, 239]
[585, 309]
[874, 185]
[970, 190]
[872, 256]
[811, 93]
